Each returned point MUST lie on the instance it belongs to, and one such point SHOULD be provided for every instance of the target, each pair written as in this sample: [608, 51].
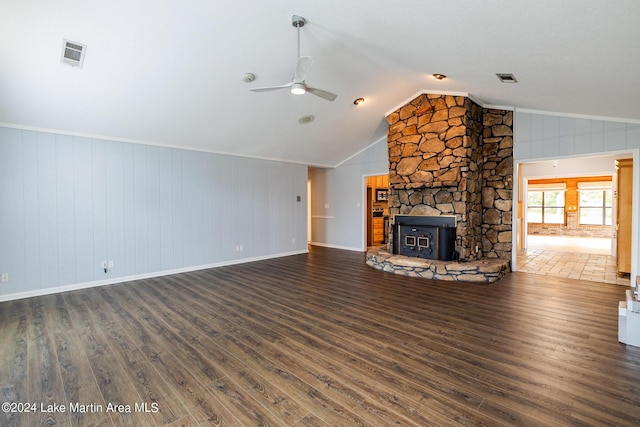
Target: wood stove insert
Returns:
[428, 237]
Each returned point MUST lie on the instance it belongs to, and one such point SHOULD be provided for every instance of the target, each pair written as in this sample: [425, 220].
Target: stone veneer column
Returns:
[438, 166]
[497, 183]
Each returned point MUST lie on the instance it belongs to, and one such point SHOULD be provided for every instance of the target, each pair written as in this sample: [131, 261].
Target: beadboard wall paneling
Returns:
[29, 175]
[12, 248]
[541, 136]
[81, 204]
[69, 203]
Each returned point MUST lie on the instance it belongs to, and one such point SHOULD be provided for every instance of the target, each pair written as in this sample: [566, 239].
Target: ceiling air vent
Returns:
[506, 78]
[73, 53]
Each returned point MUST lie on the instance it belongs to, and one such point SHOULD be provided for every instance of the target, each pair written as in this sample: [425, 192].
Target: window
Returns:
[595, 203]
[545, 203]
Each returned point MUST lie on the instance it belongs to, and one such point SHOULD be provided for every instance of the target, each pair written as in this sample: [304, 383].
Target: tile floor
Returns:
[571, 257]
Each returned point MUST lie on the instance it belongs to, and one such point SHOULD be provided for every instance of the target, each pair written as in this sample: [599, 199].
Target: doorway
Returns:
[567, 219]
[376, 210]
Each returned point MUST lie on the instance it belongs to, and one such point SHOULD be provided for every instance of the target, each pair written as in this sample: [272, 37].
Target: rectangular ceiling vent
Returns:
[506, 78]
[73, 53]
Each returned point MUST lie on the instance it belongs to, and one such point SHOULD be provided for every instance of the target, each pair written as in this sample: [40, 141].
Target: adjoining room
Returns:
[575, 218]
[319, 213]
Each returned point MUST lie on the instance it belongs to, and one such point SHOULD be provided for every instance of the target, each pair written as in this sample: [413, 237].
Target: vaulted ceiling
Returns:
[169, 72]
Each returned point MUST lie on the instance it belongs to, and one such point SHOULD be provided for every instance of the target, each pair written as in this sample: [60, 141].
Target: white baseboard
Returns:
[122, 279]
[346, 248]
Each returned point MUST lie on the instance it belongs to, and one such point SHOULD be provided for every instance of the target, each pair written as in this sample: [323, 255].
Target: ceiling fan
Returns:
[297, 85]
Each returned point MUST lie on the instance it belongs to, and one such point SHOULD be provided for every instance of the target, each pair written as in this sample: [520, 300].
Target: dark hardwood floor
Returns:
[319, 340]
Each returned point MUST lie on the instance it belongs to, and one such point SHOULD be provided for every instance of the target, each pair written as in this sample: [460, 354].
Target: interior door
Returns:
[369, 219]
[624, 197]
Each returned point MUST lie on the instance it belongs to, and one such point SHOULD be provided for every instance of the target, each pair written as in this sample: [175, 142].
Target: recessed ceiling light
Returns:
[506, 78]
[305, 120]
[438, 76]
[358, 101]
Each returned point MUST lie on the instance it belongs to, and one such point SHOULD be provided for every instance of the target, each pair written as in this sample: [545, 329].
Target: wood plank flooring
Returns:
[319, 340]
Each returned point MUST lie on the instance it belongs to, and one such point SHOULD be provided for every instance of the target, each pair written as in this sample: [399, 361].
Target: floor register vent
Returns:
[73, 53]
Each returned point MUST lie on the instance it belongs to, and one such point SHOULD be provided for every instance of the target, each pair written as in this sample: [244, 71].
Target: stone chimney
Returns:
[449, 156]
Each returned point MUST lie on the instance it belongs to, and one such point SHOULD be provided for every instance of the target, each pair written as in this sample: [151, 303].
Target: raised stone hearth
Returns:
[487, 270]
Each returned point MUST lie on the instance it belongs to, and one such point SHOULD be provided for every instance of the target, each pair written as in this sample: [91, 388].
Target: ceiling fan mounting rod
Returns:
[298, 22]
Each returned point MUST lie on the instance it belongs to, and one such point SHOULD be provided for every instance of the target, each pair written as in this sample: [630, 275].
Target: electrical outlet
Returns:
[104, 264]
[111, 264]
[5, 278]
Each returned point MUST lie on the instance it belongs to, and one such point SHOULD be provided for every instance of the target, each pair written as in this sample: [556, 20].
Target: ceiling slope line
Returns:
[154, 144]
[382, 138]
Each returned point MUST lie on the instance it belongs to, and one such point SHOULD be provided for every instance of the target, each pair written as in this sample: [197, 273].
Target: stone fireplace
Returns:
[449, 156]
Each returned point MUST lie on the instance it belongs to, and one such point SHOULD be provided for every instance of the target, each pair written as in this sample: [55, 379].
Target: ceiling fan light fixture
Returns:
[298, 89]
[298, 86]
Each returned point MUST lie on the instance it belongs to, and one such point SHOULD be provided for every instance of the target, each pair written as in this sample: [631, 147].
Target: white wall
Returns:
[67, 203]
[545, 136]
[570, 167]
[337, 198]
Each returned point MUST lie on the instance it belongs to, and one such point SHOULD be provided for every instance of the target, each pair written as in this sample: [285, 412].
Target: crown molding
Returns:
[577, 116]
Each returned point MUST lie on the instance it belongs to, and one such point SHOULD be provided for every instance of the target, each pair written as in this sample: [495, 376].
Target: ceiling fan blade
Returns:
[302, 68]
[322, 93]
[268, 88]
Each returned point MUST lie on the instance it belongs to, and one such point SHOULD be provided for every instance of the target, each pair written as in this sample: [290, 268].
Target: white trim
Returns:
[475, 99]
[328, 245]
[322, 217]
[153, 143]
[595, 185]
[426, 92]
[499, 107]
[556, 186]
[361, 151]
[577, 116]
[515, 225]
[86, 285]
[625, 153]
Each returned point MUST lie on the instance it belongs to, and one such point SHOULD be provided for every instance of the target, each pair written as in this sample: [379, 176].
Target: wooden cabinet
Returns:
[378, 230]
[377, 209]
[624, 218]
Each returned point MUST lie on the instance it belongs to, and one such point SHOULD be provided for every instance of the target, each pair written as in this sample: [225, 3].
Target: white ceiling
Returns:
[169, 72]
